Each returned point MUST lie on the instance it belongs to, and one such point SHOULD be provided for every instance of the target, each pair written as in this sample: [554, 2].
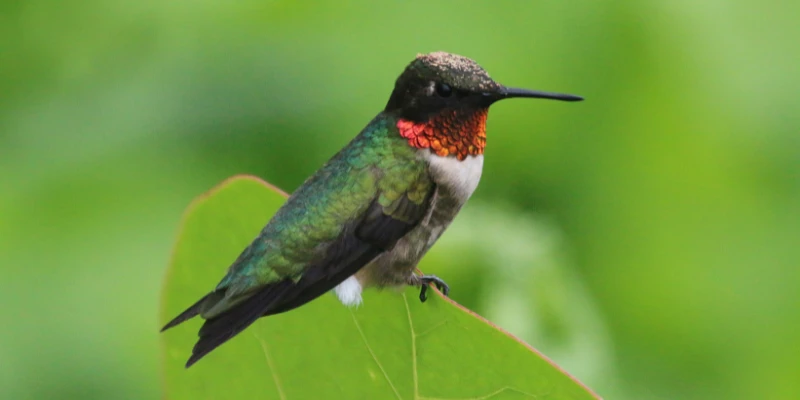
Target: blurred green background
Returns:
[647, 239]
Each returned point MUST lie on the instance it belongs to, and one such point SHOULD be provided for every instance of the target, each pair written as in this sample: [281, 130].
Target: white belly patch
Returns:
[349, 291]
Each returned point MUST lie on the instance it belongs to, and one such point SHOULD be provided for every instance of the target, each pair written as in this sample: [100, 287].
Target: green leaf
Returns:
[391, 347]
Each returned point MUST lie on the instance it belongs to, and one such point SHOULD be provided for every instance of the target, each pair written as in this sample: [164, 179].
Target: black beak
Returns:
[509, 93]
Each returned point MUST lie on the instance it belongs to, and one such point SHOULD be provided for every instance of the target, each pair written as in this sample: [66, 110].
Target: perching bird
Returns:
[366, 218]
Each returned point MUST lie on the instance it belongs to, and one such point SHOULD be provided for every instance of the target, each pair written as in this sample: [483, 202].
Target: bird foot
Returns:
[424, 281]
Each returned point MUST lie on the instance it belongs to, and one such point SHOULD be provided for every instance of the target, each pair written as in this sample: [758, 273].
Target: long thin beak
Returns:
[507, 93]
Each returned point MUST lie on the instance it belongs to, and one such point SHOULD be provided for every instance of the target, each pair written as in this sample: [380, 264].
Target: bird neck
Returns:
[458, 133]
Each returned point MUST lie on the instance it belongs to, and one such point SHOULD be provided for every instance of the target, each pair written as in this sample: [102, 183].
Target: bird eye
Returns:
[444, 89]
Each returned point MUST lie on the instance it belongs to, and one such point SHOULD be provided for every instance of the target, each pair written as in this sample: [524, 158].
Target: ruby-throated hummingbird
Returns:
[367, 217]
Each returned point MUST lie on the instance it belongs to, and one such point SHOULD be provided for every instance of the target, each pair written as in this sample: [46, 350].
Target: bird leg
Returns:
[425, 280]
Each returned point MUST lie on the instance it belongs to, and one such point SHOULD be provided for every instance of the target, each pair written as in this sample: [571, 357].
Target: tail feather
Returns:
[187, 314]
[220, 329]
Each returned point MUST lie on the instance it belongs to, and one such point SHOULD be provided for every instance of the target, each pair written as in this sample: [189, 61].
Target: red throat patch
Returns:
[460, 133]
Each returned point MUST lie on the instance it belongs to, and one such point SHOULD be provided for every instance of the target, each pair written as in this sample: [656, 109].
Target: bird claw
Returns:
[426, 280]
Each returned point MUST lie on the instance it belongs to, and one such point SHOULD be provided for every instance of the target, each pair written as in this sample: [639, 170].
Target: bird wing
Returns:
[315, 242]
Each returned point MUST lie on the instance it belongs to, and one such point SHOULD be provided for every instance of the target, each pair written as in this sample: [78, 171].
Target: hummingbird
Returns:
[371, 212]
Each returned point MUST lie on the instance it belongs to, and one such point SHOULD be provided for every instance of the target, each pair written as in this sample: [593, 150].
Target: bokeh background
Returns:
[647, 239]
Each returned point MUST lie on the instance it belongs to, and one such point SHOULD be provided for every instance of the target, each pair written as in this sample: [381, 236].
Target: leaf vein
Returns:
[413, 349]
[374, 357]
[486, 396]
[271, 367]
[432, 328]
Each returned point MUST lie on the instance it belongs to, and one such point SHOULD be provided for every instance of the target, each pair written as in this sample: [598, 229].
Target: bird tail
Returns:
[187, 314]
[224, 326]
[191, 312]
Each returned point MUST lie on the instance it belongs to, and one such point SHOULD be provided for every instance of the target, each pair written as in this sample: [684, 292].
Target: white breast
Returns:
[461, 177]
